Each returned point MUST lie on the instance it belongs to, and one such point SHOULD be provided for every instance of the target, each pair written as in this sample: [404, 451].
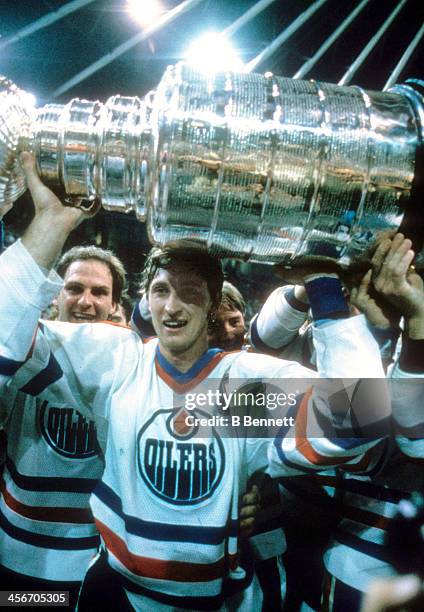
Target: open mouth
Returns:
[175, 324]
[84, 318]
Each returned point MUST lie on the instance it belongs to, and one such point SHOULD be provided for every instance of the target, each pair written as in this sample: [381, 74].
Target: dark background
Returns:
[46, 59]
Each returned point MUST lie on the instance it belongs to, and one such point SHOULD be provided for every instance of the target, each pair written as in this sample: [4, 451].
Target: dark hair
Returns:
[83, 253]
[127, 304]
[189, 253]
[232, 298]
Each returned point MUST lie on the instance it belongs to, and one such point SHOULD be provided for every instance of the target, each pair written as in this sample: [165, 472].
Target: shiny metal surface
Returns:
[270, 168]
[258, 167]
[96, 150]
[120, 167]
[16, 119]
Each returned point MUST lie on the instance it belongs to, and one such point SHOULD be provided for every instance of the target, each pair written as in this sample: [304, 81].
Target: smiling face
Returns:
[227, 331]
[180, 302]
[87, 293]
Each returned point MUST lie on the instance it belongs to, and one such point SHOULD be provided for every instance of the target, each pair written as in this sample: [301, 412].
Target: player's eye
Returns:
[160, 290]
[191, 293]
[73, 288]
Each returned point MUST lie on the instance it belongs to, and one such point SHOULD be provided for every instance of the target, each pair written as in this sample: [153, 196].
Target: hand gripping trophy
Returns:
[262, 168]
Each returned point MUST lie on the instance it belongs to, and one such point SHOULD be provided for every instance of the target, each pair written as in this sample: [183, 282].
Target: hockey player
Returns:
[167, 505]
[281, 329]
[47, 534]
[227, 329]
[227, 326]
[372, 475]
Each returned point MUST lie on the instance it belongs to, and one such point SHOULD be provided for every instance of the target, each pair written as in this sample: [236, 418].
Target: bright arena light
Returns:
[145, 12]
[31, 99]
[212, 53]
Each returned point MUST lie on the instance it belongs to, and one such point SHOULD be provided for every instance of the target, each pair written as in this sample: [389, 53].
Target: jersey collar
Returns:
[181, 382]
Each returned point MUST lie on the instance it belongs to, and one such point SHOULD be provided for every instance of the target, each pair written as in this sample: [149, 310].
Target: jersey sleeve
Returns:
[343, 418]
[277, 323]
[25, 292]
[62, 362]
[407, 391]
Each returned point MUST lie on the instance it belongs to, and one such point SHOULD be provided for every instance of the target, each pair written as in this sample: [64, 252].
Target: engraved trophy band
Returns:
[261, 168]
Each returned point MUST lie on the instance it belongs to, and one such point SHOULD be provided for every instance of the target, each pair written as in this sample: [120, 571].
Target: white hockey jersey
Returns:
[375, 470]
[52, 465]
[167, 504]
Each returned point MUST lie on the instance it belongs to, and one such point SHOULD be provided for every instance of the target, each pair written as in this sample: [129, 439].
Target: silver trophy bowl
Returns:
[261, 168]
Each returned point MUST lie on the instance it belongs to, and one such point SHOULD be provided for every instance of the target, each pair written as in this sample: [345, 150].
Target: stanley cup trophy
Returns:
[261, 168]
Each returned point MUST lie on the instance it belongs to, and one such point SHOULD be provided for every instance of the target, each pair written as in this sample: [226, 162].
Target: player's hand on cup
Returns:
[378, 312]
[396, 279]
[46, 203]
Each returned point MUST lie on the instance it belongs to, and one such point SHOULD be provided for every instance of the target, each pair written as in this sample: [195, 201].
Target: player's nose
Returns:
[173, 303]
[86, 299]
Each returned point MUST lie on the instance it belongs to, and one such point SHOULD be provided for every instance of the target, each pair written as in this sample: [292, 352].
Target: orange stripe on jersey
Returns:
[302, 443]
[184, 387]
[162, 569]
[78, 516]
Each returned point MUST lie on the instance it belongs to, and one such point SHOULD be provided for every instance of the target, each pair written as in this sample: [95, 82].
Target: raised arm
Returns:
[337, 422]
[52, 222]
[278, 322]
[42, 358]
[25, 288]
[396, 279]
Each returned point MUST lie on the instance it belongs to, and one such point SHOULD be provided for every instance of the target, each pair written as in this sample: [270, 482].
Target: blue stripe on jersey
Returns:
[197, 602]
[368, 489]
[163, 531]
[9, 367]
[299, 468]
[282, 433]
[349, 485]
[376, 551]
[50, 483]
[185, 377]
[51, 373]
[44, 541]
[354, 435]
[318, 497]
[385, 448]
[350, 443]
[328, 428]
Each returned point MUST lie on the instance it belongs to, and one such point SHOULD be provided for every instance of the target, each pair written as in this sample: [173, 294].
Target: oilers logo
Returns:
[175, 465]
[68, 432]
